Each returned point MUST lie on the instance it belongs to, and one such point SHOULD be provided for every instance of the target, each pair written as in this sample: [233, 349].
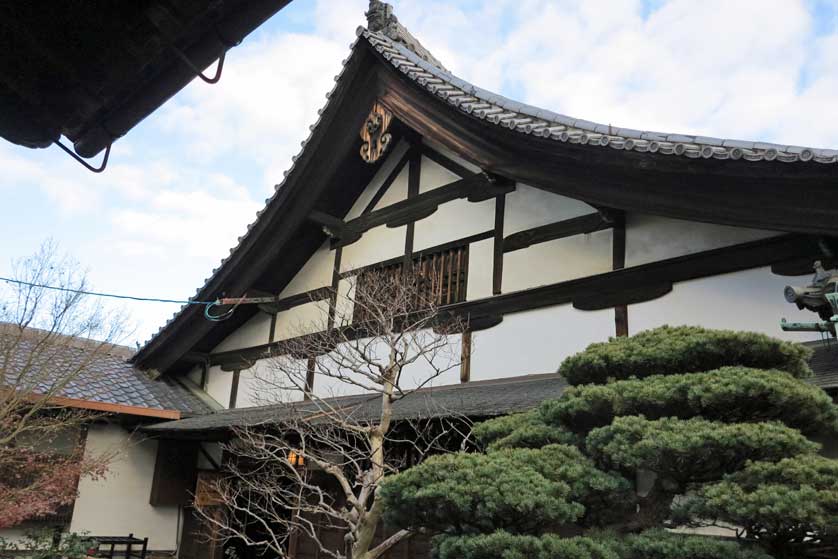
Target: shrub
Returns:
[520, 430]
[729, 394]
[469, 493]
[659, 544]
[684, 349]
[503, 545]
[691, 450]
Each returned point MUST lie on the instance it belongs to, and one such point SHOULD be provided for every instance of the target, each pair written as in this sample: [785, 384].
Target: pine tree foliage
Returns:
[715, 422]
[683, 349]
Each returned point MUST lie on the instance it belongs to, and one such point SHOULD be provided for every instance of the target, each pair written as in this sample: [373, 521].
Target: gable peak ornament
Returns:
[374, 133]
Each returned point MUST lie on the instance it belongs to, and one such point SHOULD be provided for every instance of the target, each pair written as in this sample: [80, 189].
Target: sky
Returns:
[183, 185]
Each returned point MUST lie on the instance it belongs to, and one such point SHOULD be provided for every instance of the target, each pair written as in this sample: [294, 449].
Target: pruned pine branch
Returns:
[345, 428]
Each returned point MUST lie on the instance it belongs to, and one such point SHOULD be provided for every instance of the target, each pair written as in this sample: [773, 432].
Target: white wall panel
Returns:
[434, 175]
[749, 300]
[118, 504]
[454, 220]
[480, 261]
[302, 319]
[253, 332]
[378, 244]
[316, 273]
[651, 238]
[219, 384]
[537, 341]
[530, 207]
[558, 260]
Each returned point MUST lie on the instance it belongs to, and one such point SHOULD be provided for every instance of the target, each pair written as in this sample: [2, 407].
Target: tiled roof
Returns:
[824, 364]
[105, 376]
[527, 119]
[477, 399]
[404, 52]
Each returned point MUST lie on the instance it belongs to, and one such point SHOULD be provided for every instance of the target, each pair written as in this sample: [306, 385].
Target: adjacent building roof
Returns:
[477, 399]
[105, 381]
[92, 70]
[824, 364]
[732, 182]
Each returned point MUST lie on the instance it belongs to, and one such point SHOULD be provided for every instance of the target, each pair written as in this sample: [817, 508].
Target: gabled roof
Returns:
[748, 184]
[106, 380]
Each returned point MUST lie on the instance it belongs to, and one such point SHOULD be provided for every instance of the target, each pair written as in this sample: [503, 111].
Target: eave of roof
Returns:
[527, 119]
[93, 70]
[476, 399]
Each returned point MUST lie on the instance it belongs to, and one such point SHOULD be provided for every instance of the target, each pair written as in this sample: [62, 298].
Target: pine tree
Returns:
[672, 428]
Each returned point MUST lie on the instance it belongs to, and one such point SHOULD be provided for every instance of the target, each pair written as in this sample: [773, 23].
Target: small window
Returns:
[441, 278]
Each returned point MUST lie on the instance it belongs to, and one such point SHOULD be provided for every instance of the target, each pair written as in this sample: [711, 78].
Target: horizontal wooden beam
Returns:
[552, 231]
[618, 287]
[108, 407]
[296, 300]
[476, 188]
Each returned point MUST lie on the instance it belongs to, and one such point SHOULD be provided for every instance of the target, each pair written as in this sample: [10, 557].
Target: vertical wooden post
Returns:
[465, 357]
[414, 175]
[310, 368]
[234, 389]
[497, 264]
[272, 329]
[333, 296]
[618, 244]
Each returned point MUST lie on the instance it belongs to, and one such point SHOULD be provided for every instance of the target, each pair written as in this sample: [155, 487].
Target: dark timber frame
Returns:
[601, 291]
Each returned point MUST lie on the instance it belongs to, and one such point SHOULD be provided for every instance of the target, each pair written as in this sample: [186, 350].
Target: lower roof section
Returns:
[477, 399]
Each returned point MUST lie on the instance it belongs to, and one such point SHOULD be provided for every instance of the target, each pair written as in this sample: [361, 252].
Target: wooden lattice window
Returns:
[441, 277]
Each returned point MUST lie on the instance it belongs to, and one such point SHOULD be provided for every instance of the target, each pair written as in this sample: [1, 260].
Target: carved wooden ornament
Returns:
[374, 133]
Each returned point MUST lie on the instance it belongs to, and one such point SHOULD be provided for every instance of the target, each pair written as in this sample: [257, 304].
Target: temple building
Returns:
[550, 233]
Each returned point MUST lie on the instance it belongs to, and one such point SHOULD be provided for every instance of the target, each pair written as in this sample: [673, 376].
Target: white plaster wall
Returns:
[530, 207]
[432, 369]
[749, 300]
[454, 220]
[253, 332]
[302, 319]
[651, 238]
[559, 260]
[376, 245]
[434, 175]
[118, 504]
[480, 261]
[537, 341]
[389, 164]
[316, 273]
[218, 385]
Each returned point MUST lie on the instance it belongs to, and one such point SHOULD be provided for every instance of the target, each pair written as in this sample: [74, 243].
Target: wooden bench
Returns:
[129, 547]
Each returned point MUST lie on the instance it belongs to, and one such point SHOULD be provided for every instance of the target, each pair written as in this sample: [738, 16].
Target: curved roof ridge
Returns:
[528, 119]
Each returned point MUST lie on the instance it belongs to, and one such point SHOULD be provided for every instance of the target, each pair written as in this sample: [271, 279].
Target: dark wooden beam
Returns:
[497, 257]
[333, 297]
[625, 286]
[465, 357]
[413, 180]
[552, 231]
[476, 188]
[234, 388]
[296, 300]
[618, 258]
[445, 162]
[388, 181]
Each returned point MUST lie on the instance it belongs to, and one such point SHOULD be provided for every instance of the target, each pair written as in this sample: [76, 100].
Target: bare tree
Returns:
[49, 339]
[314, 469]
